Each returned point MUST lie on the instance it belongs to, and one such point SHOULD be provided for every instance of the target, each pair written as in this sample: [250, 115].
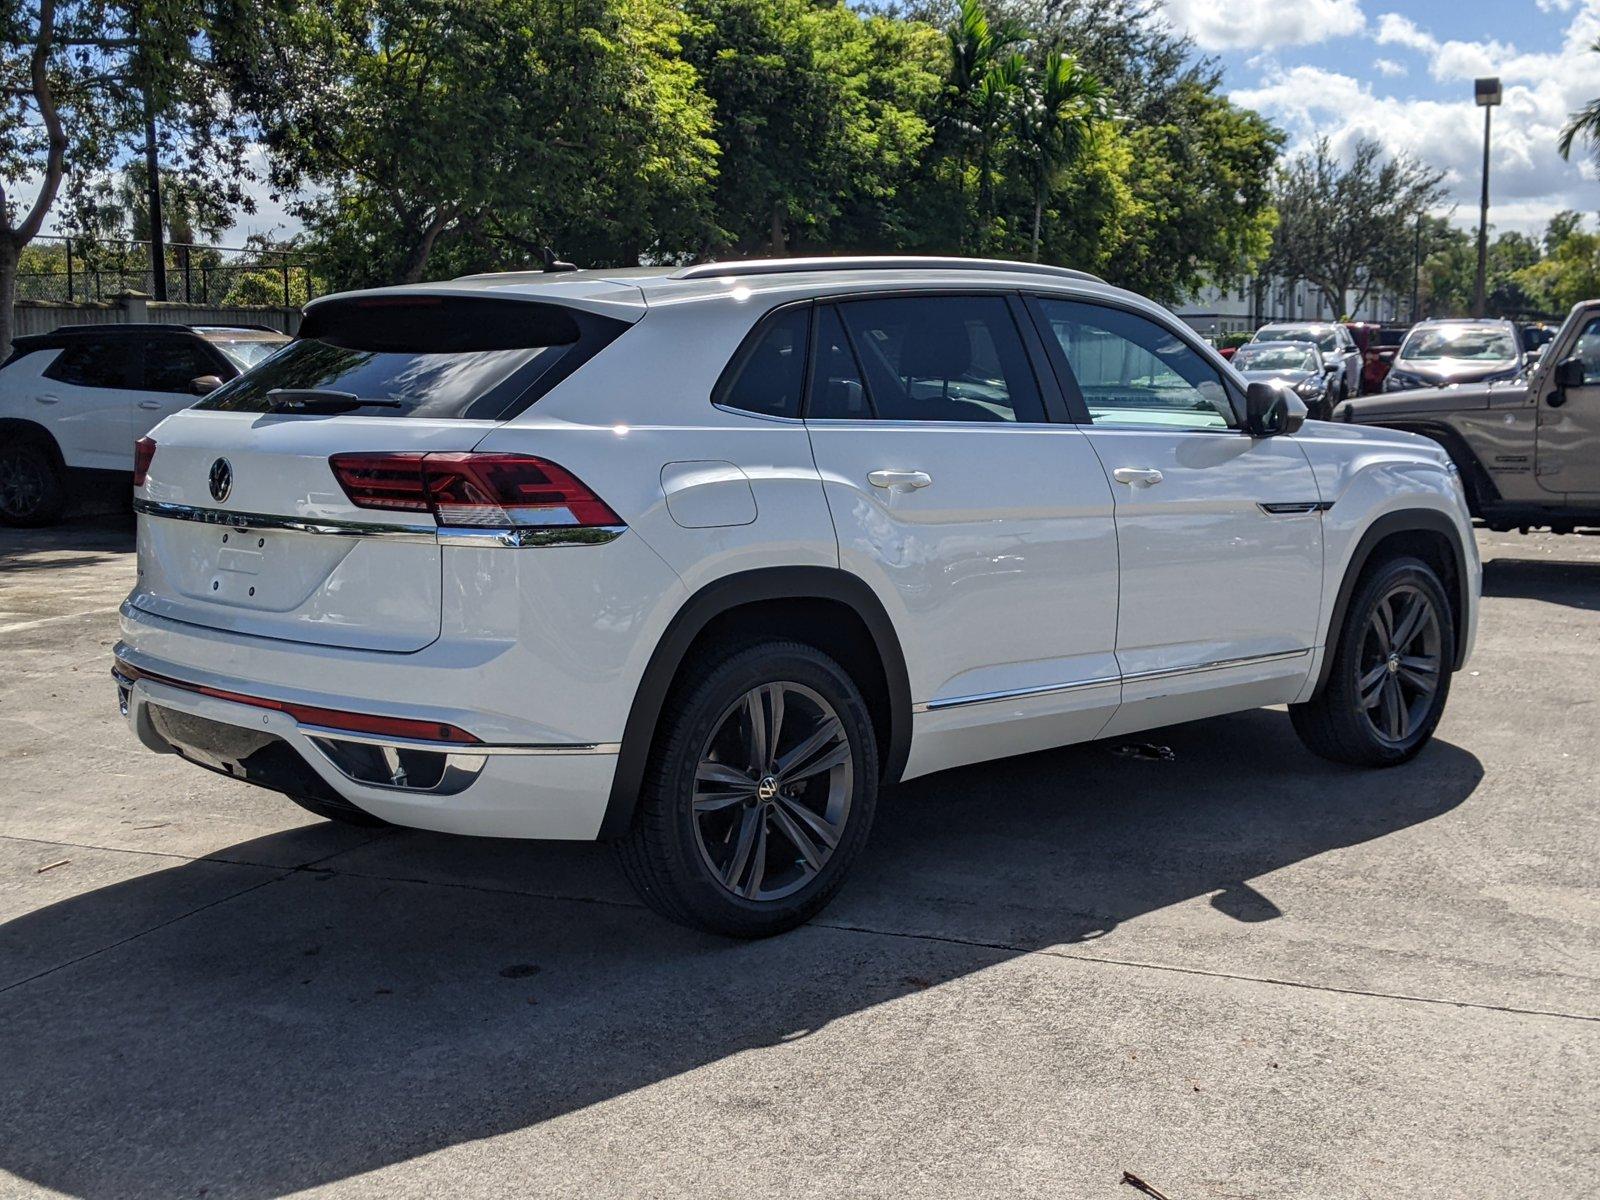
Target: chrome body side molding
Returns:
[1137, 677]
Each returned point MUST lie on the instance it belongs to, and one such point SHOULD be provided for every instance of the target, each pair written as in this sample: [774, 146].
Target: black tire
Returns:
[345, 814]
[1342, 723]
[33, 491]
[671, 855]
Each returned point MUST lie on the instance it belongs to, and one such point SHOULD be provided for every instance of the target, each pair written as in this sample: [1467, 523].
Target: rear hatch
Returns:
[244, 524]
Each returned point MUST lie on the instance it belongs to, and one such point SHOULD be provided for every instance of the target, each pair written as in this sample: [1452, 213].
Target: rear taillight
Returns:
[485, 491]
[143, 451]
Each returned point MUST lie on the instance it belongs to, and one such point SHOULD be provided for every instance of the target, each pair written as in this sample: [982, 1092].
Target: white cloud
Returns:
[1256, 24]
[1388, 66]
[1529, 181]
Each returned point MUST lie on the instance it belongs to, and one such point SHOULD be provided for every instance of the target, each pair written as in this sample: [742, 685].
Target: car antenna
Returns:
[552, 264]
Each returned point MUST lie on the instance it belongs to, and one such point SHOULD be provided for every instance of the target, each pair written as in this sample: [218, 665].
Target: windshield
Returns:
[1274, 358]
[1326, 339]
[245, 353]
[1475, 343]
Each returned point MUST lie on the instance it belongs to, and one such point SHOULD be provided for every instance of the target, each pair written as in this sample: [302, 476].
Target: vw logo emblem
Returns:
[221, 479]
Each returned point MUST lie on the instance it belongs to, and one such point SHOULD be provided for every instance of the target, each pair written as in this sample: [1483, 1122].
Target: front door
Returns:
[169, 366]
[986, 531]
[1220, 534]
[83, 398]
[1569, 429]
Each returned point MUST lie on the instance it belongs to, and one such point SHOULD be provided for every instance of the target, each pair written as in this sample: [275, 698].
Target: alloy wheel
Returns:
[22, 484]
[772, 791]
[1401, 663]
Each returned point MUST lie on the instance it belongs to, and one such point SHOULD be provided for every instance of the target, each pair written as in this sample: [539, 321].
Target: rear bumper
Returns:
[517, 790]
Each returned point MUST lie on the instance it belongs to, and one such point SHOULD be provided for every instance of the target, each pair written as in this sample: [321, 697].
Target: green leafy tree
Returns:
[82, 83]
[820, 113]
[1057, 112]
[1569, 272]
[431, 132]
[1347, 228]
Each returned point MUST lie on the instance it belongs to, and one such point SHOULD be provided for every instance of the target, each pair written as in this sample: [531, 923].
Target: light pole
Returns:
[1487, 94]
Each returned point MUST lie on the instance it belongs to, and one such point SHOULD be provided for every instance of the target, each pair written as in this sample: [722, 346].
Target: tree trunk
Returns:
[416, 260]
[778, 244]
[1038, 219]
[8, 293]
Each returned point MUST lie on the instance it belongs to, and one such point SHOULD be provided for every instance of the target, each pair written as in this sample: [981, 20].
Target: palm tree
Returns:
[1055, 117]
[982, 76]
[1585, 124]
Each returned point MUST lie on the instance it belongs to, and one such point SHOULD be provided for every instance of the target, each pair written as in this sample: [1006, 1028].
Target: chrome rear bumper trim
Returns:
[455, 535]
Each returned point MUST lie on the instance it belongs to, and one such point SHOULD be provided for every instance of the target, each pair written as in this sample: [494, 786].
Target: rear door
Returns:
[1220, 534]
[244, 525]
[985, 529]
[1569, 429]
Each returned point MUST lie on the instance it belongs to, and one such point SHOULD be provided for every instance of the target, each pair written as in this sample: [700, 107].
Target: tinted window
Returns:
[171, 364]
[93, 364]
[769, 370]
[1133, 371]
[942, 358]
[1588, 349]
[430, 357]
[837, 391]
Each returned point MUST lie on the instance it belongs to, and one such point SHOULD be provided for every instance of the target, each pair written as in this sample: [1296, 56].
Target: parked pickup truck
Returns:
[1527, 449]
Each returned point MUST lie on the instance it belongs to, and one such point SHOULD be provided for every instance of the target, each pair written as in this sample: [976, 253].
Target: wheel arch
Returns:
[824, 606]
[1475, 476]
[20, 427]
[1430, 535]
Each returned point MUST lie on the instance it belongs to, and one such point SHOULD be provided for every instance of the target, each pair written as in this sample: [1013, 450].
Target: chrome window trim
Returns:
[455, 535]
[1048, 689]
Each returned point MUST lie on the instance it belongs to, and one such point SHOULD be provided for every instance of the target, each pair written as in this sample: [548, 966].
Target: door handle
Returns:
[149, 404]
[1137, 476]
[899, 481]
[48, 399]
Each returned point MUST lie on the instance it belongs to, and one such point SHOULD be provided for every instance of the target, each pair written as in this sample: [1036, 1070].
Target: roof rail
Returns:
[880, 262]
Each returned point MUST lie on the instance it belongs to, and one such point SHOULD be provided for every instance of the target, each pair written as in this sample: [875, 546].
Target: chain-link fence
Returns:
[73, 269]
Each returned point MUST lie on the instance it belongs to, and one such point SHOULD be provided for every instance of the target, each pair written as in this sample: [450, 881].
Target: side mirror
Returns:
[200, 385]
[1569, 373]
[1535, 354]
[1272, 408]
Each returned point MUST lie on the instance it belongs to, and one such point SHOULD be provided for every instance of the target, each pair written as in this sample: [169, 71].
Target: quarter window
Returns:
[92, 365]
[1133, 371]
[931, 358]
[769, 372]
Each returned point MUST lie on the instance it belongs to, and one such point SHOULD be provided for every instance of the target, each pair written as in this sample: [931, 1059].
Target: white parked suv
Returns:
[73, 400]
[696, 560]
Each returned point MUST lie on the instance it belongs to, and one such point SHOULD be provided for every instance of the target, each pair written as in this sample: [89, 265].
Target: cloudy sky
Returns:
[1401, 71]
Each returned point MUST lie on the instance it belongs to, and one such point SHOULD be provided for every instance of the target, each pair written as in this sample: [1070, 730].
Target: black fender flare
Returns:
[721, 596]
[1479, 483]
[1410, 520]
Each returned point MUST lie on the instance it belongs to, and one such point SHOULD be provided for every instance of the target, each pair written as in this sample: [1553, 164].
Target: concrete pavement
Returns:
[1242, 973]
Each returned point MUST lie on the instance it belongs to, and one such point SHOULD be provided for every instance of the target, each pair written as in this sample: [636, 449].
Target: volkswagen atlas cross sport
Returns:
[696, 560]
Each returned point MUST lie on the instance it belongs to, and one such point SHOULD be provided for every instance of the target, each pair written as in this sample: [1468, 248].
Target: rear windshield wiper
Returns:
[321, 400]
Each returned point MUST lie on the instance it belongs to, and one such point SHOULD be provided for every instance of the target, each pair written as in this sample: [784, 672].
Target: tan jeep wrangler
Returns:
[1529, 449]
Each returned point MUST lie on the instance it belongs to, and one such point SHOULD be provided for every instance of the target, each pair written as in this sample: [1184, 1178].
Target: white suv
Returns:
[696, 560]
[73, 400]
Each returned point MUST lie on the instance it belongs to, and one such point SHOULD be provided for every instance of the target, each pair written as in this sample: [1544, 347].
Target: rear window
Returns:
[422, 356]
[245, 353]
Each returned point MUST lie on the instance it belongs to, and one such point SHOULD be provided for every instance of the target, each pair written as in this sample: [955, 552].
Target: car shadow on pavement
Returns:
[1574, 584]
[105, 536]
[418, 991]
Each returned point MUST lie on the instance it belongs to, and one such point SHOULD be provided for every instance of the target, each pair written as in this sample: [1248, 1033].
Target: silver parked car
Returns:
[1298, 364]
[1446, 351]
[1333, 342]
